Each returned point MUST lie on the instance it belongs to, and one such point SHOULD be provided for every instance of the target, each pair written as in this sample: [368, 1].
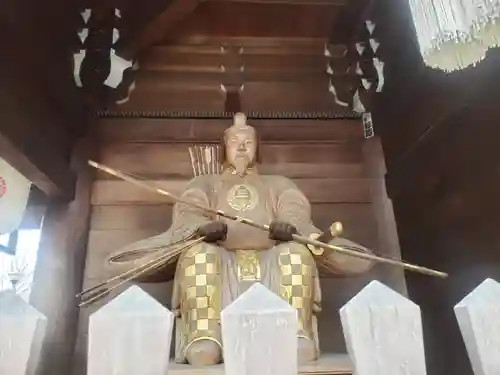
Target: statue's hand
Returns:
[281, 231]
[213, 231]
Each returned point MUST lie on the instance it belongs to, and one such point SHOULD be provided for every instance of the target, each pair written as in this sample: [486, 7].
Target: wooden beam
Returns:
[255, 56]
[189, 57]
[288, 2]
[60, 266]
[260, 20]
[203, 131]
[50, 74]
[466, 186]
[405, 73]
[155, 30]
[31, 145]
[387, 238]
[410, 118]
[253, 44]
[318, 190]
[267, 96]
[35, 159]
[295, 160]
[191, 60]
[305, 96]
[204, 98]
[165, 80]
[233, 102]
[135, 157]
[348, 21]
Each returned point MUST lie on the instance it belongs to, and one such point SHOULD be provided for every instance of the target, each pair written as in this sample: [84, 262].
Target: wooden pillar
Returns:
[60, 266]
[387, 235]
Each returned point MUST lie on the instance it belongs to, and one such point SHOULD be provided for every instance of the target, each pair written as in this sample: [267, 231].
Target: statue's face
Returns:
[241, 147]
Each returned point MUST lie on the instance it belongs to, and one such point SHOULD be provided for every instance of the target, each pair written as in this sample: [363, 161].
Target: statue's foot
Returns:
[306, 350]
[204, 353]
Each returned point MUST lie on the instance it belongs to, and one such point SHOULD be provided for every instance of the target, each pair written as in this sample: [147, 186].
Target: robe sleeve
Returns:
[185, 222]
[342, 264]
[293, 206]
[186, 219]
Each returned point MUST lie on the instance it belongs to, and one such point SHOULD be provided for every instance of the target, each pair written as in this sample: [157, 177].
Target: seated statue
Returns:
[213, 273]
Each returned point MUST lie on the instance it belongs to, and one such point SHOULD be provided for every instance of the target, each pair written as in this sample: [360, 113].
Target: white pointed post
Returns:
[383, 332]
[259, 332]
[22, 329]
[478, 316]
[131, 335]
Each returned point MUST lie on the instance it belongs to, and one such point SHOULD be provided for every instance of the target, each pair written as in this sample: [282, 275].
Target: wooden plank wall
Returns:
[441, 138]
[329, 160]
[269, 73]
[448, 219]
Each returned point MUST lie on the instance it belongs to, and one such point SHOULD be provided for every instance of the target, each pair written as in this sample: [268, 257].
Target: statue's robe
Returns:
[208, 277]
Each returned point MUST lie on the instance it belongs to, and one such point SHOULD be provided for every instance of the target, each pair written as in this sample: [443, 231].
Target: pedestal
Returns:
[327, 364]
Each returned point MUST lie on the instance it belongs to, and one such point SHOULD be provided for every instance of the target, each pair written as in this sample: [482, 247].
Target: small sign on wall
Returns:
[368, 125]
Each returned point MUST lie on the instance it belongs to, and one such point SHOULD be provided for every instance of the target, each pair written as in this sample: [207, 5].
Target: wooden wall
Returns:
[448, 218]
[338, 170]
[271, 69]
[43, 117]
[273, 74]
[261, 19]
[441, 137]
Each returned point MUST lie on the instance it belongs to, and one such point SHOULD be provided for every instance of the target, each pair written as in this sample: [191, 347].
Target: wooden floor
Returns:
[328, 364]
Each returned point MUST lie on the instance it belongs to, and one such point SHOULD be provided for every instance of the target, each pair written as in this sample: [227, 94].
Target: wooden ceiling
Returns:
[157, 27]
[267, 74]
[163, 21]
[273, 19]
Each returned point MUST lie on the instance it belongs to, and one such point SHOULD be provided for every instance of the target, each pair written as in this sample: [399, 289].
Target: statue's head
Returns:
[241, 143]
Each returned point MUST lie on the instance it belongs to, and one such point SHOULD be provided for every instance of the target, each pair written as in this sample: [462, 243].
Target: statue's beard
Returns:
[241, 164]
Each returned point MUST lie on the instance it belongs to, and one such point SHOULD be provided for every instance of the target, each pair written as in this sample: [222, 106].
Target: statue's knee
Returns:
[295, 253]
[306, 350]
[304, 252]
[204, 353]
[297, 269]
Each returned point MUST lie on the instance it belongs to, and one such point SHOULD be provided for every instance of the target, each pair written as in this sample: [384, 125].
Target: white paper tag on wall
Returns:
[14, 194]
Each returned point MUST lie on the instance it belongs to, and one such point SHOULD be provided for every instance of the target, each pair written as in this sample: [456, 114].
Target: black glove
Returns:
[281, 231]
[213, 231]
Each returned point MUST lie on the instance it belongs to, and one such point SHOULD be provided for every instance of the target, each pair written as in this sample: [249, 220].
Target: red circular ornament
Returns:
[3, 187]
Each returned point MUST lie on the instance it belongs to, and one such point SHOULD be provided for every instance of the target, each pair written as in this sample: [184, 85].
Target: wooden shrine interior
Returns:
[433, 154]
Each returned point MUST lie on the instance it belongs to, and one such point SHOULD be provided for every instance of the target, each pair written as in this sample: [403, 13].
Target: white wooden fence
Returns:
[132, 334]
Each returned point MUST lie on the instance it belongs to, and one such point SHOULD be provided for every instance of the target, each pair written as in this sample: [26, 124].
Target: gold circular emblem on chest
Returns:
[242, 197]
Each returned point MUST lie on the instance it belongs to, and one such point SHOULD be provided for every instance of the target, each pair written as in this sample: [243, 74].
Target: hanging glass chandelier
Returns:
[455, 34]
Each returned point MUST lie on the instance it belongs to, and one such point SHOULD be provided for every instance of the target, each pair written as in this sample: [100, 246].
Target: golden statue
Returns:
[213, 273]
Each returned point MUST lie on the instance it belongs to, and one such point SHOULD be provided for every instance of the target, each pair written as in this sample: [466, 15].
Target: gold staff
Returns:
[297, 238]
